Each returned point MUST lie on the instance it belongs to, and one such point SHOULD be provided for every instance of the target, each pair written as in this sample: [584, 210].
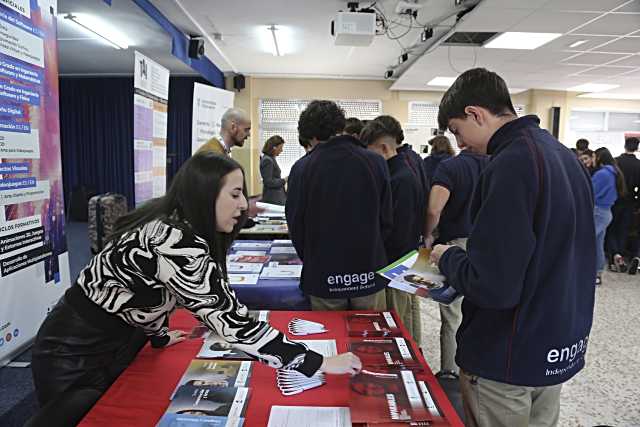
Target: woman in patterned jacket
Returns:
[166, 254]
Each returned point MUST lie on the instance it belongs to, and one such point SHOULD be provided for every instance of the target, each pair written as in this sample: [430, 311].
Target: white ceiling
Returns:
[83, 53]
[611, 55]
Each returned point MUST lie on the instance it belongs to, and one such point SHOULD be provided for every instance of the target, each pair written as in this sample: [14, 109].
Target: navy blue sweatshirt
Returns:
[431, 163]
[459, 175]
[408, 213]
[339, 214]
[528, 276]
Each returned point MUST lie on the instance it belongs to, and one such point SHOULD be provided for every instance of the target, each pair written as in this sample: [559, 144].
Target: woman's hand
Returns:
[175, 337]
[437, 253]
[345, 363]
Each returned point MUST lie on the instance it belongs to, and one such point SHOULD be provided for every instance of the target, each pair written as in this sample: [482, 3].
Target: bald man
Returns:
[235, 127]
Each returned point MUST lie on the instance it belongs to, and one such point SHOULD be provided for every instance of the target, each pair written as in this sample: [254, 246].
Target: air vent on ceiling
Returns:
[462, 38]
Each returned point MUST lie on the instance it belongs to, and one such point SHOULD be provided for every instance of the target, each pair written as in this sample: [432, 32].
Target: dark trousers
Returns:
[74, 363]
[619, 230]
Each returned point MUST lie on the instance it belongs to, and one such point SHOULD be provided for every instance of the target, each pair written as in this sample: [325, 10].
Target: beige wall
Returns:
[394, 103]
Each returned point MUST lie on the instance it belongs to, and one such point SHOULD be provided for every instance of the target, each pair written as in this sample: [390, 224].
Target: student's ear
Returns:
[477, 114]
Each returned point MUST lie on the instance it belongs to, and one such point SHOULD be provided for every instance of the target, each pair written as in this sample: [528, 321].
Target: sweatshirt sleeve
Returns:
[491, 273]
[186, 269]
[599, 182]
[294, 210]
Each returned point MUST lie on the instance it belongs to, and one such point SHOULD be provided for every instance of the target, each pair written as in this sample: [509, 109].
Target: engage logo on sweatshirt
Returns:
[350, 279]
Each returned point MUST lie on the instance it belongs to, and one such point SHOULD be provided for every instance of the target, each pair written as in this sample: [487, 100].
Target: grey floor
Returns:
[606, 392]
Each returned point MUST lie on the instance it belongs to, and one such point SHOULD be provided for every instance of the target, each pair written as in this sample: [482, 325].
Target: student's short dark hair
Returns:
[321, 120]
[392, 125]
[478, 87]
[303, 142]
[587, 152]
[353, 126]
[631, 143]
[373, 131]
[582, 144]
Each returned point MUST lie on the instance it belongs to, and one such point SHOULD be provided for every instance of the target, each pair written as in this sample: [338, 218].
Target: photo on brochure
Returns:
[381, 324]
[215, 373]
[391, 353]
[414, 273]
[206, 406]
[243, 279]
[386, 397]
[254, 259]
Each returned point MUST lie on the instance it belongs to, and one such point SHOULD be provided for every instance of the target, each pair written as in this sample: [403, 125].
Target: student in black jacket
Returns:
[619, 232]
[407, 209]
[528, 274]
[339, 213]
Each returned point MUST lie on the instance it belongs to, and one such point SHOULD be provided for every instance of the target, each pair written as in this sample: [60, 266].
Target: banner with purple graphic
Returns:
[34, 264]
[150, 106]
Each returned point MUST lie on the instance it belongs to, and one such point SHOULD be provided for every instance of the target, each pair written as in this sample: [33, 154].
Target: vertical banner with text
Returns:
[150, 107]
[34, 264]
[209, 104]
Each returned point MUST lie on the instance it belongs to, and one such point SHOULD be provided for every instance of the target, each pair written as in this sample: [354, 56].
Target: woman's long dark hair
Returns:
[604, 157]
[192, 197]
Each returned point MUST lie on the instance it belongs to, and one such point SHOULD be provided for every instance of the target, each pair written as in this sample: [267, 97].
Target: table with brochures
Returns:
[257, 292]
[141, 395]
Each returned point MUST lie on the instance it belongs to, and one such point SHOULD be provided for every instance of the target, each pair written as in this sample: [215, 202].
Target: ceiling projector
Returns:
[354, 28]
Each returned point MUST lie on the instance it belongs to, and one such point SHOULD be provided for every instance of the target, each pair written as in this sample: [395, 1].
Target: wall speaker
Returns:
[238, 82]
[196, 48]
[555, 122]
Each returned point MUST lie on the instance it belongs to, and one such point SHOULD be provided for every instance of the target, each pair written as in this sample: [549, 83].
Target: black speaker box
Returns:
[238, 82]
[196, 48]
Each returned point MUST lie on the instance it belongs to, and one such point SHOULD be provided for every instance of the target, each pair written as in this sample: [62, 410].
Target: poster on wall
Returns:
[417, 136]
[209, 104]
[34, 264]
[150, 107]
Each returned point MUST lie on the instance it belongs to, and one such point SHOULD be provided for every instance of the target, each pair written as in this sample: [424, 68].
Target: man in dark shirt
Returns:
[339, 214]
[452, 187]
[528, 274]
[407, 210]
[619, 232]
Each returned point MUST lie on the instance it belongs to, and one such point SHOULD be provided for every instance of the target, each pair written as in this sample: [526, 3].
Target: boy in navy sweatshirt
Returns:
[528, 274]
[339, 213]
[407, 198]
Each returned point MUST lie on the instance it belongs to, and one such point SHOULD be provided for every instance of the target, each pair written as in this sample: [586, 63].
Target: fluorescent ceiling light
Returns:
[610, 96]
[100, 29]
[592, 87]
[442, 81]
[515, 40]
[516, 90]
[578, 43]
[276, 47]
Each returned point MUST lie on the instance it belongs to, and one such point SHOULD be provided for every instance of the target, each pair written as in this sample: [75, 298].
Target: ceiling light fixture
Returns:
[610, 96]
[98, 28]
[276, 47]
[592, 87]
[578, 43]
[516, 40]
[442, 81]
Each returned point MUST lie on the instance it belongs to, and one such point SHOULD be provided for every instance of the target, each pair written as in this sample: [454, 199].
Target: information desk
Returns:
[272, 294]
[141, 394]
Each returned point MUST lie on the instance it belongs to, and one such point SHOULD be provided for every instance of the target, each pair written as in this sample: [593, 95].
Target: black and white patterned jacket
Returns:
[148, 272]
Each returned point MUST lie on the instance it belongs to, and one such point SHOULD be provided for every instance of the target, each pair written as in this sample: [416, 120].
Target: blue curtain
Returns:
[179, 122]
[96, 130]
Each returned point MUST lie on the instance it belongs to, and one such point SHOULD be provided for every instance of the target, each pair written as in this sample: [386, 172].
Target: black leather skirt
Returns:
[73, 352]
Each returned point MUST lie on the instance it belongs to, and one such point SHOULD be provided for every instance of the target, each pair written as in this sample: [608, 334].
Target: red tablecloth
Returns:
[141, 394]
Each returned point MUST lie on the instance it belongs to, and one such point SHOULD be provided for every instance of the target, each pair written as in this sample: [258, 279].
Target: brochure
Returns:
[206, 406]
[282, 250]
[251, 245]
[385, 397]
[243, 279]
[390, 353]
[215, 373]
[309, 416]
[380, 324]
[414, 273]
[244, 267]
[254, 259]
[281, 272]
